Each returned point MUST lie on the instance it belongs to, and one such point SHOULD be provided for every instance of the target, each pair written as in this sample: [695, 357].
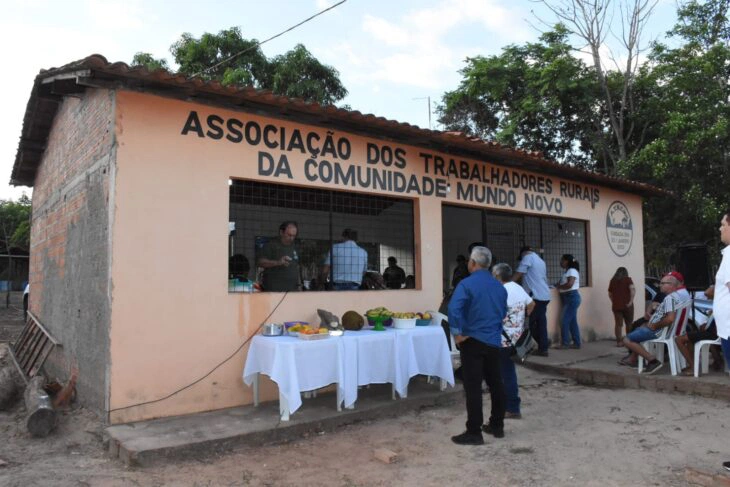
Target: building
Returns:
[147, 183]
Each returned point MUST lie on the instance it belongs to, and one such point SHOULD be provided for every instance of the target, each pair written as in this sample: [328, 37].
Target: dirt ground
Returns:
[570, 435]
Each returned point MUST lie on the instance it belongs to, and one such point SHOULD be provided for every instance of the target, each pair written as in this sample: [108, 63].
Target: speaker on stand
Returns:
[694, 264]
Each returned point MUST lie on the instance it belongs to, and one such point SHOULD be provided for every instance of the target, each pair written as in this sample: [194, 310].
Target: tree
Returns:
[233, 60]
[148, 61]
[690, 152]
[535, 97]
[590, 21]
[14, 232]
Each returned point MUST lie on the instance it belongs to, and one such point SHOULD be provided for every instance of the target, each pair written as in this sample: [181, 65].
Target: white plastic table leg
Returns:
[283, 407]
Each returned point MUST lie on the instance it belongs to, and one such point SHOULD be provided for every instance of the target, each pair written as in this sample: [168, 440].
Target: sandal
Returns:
[625, 361]
[687, 372]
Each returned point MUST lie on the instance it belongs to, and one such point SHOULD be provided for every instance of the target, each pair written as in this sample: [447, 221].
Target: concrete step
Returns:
[205, 434]
[595, 364]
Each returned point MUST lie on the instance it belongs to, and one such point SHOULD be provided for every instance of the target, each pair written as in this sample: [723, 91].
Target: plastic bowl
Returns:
[423, 322]
[404, 323]
[387, 322]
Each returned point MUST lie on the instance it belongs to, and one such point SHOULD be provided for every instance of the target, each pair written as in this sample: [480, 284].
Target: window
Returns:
[321, 222]
[505, 233]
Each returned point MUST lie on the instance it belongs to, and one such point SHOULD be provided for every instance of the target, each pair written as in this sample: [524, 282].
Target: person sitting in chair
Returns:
[662, 317]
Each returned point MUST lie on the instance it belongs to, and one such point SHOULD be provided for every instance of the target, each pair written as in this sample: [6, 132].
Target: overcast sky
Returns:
[391, 54]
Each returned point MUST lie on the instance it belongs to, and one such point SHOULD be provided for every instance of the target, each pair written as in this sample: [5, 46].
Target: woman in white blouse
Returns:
[570, 297]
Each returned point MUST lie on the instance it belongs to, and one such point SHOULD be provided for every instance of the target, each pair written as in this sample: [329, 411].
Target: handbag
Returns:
[524, 345]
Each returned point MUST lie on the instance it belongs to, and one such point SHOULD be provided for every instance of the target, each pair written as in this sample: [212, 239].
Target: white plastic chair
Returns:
[702, 348]
[667, 338]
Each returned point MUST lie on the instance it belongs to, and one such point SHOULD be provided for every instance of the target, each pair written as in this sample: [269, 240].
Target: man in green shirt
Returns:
[280, 260]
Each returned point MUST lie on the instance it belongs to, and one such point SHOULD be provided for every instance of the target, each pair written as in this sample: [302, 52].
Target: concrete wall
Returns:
[173, 314]
[69, 266]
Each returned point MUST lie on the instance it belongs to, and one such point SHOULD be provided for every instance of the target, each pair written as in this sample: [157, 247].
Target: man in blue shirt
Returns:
[476, 312]
[348, 262]
[533, 273]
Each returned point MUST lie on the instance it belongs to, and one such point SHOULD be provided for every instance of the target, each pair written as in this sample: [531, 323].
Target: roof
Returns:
[53, 84]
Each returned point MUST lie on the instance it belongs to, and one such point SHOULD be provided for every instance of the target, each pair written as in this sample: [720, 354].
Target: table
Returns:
[355, 359]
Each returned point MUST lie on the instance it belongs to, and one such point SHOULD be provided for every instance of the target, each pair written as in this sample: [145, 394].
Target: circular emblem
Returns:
[619, 228]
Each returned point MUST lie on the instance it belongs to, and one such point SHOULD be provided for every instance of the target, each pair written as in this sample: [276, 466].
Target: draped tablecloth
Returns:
[297, 365]
[355, 359]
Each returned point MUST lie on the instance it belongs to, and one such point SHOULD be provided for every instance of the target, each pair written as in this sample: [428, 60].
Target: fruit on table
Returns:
[352, 320]
[405, 315]
[381, 311]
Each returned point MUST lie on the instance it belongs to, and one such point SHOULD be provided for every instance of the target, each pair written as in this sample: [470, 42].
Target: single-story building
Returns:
[150, 188]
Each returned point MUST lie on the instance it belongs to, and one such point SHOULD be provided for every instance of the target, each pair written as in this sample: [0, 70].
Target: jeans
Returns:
[345, 286]
[538, 324]
[480, 362]
[509, 379]
[569, 321]
[726, 350]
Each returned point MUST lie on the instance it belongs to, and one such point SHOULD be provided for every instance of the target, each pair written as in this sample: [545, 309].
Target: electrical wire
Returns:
[269, 39]
[212, 370]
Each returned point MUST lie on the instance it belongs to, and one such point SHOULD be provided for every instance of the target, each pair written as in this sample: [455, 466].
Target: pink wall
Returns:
[173, 319]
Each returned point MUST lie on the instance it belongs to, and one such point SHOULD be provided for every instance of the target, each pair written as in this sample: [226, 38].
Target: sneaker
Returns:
[541, 353]
[511, 415]
[467, 438]
[653, 366]
[490, 430]
[726, 466]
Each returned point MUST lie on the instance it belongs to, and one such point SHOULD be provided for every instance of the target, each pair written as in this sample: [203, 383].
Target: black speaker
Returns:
[693, 263]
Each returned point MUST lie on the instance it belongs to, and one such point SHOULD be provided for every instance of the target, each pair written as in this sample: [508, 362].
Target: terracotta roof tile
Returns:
[474, 147]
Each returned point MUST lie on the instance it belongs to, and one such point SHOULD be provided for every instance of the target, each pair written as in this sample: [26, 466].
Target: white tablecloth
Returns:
[355, 359]
[296, 365]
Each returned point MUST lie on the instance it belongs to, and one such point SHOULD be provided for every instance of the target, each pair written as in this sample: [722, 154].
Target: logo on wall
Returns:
[619, 228]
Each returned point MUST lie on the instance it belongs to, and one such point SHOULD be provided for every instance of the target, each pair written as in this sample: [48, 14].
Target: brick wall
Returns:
[69, 264]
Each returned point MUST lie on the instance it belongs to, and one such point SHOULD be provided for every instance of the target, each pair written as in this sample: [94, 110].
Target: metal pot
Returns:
[272, 330]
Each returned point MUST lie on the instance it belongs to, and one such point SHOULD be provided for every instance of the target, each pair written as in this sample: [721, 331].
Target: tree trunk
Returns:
[10, 386]
[41, 417]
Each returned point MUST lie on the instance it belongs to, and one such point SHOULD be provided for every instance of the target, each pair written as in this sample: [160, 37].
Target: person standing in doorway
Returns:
[621, 292]
[476, 312]
[280, 260]
[532, 271]
[570, 298]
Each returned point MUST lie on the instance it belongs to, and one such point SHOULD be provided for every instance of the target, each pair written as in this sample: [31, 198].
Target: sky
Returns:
[391, 54]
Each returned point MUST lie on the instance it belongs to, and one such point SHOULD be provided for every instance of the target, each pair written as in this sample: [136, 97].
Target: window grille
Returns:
[505, 233]
[382, 227]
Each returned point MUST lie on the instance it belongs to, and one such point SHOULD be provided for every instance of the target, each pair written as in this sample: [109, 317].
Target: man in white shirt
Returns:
[721, 302]
[348, 262]
[532, 271]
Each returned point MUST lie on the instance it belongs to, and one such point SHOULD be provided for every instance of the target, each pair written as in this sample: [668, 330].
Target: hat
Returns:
[677, 275]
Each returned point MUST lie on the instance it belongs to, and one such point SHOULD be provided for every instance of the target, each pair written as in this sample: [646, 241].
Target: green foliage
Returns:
[689, 153]
[15, 224]
[148, 61]
[535, 97]
[234, 60]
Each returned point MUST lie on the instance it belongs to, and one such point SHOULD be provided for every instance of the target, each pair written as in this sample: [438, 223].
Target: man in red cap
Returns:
[682, 289]
[662, 317]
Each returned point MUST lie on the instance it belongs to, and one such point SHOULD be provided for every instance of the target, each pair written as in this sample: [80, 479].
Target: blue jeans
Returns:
[509, 379]
[538, 324]
[571, 301]
[345, 286]
[726, 350]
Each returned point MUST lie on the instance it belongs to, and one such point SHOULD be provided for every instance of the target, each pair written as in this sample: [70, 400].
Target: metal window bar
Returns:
[384, 226]
[32, 348]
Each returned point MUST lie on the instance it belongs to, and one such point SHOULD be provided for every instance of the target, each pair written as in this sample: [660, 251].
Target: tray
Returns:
[315, 336]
